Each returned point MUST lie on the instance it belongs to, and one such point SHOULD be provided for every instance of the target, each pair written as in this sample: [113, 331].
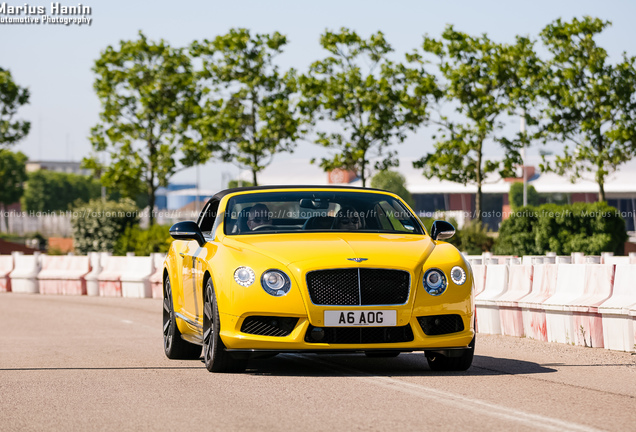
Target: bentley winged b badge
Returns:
[358, 260]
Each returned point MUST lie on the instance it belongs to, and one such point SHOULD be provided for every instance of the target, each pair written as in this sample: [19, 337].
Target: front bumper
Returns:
[235, 340]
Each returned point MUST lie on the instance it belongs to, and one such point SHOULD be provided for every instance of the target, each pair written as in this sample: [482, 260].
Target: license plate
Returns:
[358, 318]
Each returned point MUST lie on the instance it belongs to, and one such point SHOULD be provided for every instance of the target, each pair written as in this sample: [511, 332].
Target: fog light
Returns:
[317, 334]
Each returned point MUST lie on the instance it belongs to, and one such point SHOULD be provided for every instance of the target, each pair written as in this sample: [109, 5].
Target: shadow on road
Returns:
[99, 368]
[407, 364]
[317, 365]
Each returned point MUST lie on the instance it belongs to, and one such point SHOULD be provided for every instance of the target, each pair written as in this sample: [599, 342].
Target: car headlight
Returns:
[244, 276]
[434, 282]
[276, 283]
[458, 275]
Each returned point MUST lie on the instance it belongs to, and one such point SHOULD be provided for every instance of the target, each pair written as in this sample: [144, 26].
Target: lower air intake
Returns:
[441, 324]
[269, 325]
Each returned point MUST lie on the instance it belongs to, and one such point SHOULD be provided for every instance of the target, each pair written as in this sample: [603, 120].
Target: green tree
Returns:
[50, 191]
[393, 182]
[248, 112]
[12, 97]
[235, 183]
[473, 238]
[589, 101]
[481, 80]
[149, 98]
[374, 101]
[12, 177]
[515, 195]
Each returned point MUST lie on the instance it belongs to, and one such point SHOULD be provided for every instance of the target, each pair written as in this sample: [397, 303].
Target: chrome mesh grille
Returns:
[358, 287]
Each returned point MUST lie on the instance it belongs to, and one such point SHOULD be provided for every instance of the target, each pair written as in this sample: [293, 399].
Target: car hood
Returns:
[329, 250]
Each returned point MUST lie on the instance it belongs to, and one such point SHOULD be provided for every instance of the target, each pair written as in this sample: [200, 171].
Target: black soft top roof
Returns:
[225, 192]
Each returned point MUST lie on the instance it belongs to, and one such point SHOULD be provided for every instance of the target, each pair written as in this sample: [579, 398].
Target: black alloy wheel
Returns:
[216, 358]
[173, 345]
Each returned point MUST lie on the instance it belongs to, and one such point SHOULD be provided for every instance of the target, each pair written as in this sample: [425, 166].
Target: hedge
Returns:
[98, 225]
[580, 227]
[143, 242]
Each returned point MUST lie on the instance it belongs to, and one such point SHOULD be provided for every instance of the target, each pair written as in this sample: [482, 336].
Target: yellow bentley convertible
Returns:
[315, 269]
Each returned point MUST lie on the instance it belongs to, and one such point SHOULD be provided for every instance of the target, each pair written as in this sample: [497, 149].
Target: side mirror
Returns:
[442, 230]
[187, 230]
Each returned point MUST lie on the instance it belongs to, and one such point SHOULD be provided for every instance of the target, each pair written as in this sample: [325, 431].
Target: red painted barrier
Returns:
[110, 277]
[6, 267]
[63, 275]
[587, 323]
[616, 312]
[543, 287]
[570, 286]
[487, 310]
[519, 286]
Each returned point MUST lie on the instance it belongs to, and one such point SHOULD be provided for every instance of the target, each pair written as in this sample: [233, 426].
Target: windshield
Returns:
[323, 211]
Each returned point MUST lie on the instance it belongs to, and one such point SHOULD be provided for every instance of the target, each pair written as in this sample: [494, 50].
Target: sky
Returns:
[55, 61]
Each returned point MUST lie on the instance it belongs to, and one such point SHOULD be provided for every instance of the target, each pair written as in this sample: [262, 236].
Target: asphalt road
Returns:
[85, 363]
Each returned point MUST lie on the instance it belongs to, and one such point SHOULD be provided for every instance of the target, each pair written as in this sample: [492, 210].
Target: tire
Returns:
[381, 354]
[175, 347]
[216, 358]
[442, 363]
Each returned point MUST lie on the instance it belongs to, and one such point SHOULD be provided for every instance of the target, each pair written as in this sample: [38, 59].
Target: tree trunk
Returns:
[151, 178]
[363, 176]
[151, 205]
[600, 177]
[254, 182]
[478, 203]
[601, 190]
[479, 197]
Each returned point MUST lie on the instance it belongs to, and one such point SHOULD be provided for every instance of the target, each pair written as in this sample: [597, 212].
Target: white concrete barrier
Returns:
[488, 319]
[578, 258]
[479, 277]
[587, 323]
[616, 312]
[135, 280]
[532, 259]
[544, 280]
[25, 273]
[92, 284]
[570, 285]
[156, 280]
[63, 274]
[617, 260]
[6, 267]
[519, 286]
[109, 278]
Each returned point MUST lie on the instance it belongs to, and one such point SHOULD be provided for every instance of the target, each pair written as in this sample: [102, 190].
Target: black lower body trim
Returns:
[359, 335]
